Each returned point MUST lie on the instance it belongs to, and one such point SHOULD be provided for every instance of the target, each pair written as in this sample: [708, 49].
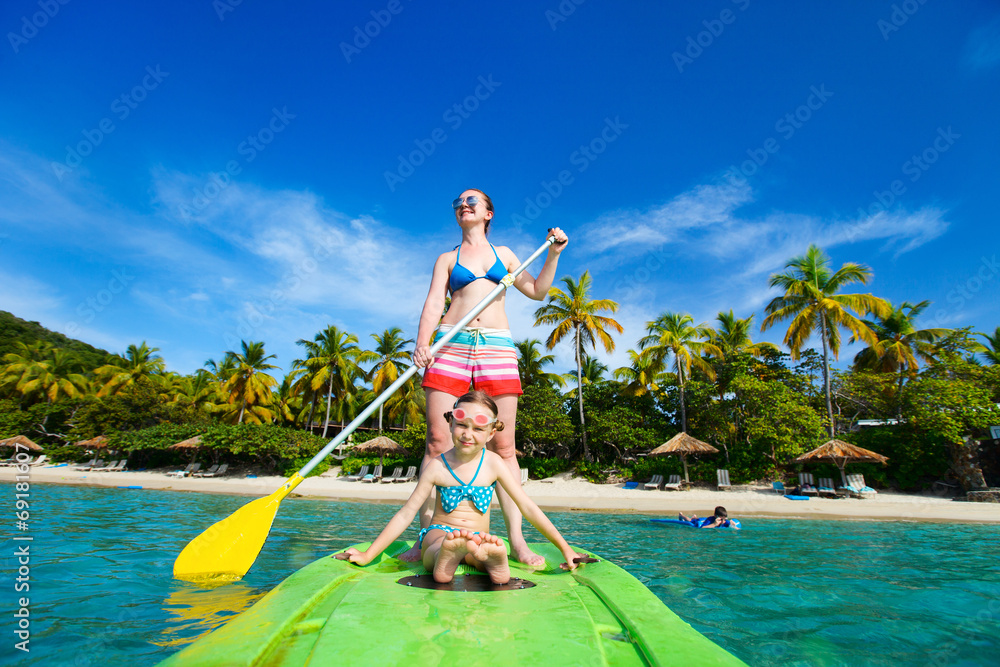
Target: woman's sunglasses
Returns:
[478, 419]
[471, 201]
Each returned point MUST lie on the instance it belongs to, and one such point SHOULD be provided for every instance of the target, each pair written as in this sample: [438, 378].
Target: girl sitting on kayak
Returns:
[459, 530]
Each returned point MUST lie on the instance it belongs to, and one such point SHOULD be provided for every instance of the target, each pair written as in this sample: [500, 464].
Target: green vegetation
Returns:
[761, 406]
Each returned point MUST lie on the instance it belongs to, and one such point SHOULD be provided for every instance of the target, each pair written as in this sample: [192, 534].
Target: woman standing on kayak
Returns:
[483, 355]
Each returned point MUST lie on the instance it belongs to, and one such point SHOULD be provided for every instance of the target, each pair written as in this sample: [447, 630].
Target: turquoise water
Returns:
[779, 592]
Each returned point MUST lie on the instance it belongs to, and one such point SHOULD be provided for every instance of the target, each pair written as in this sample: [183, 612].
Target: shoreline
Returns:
[559, 493]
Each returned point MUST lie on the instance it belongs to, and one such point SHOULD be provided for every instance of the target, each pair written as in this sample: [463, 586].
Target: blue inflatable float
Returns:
[699, 523]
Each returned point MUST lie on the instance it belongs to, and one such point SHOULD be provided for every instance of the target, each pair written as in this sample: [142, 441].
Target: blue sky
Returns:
[191, 174]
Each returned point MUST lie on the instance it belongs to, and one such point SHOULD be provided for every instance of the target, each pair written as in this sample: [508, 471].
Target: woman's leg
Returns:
[503, 444]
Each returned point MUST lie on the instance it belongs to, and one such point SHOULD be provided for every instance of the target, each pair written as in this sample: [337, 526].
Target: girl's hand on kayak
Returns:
[570, 556]
[353, 555]
[576, 560]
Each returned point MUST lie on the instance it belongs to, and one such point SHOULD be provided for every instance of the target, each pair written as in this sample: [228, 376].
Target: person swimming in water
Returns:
[460, 526]
[484, 354]
[720, 519]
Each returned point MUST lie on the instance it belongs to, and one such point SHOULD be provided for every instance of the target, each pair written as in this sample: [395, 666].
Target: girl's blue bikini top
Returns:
[461, 276]
[451, 496]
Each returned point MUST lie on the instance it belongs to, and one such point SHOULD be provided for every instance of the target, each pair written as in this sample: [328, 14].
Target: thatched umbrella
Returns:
[684, 444]
[100, 442]
[841, 452]
[382, 445]
[194, 444]
[22, 440]
[190, 443]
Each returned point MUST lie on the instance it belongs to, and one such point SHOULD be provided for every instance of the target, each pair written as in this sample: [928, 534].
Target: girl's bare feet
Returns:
[492, 556]
[454, 548]
[411, 555]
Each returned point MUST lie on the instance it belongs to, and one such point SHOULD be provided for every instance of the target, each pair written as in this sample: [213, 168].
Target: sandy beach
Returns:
[561, 493]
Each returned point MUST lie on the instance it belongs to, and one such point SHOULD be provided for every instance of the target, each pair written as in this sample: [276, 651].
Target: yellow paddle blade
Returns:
[227, 550]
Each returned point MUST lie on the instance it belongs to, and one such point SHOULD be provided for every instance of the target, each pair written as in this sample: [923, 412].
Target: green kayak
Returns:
[389, 612]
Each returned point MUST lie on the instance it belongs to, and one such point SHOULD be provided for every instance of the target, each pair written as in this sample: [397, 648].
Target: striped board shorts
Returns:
[484, 358]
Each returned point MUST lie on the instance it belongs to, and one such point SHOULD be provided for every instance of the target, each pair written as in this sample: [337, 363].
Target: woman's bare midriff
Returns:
[467, 298]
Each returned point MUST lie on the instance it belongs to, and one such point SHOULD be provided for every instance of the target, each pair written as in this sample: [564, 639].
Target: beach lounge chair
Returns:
[110, 466]
[857, 488]
[806, 485]
[394, 476]
[655, 483]
[114, 466]
[826, 487]
[373, 476]
[93, 463]
[190, 470]
[411, 474]
[210, 471]
[723, 476]
[779, 487]
[12, 461]
[218, 473]
[673, 484]
[524, 476]
[40, 460]
[361, 473]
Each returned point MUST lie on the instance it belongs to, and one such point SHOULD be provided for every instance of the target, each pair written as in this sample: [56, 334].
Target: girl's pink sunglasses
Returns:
[478, 419]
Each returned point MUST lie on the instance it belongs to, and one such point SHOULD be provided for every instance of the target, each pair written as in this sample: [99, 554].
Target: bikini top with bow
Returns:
[451, 496]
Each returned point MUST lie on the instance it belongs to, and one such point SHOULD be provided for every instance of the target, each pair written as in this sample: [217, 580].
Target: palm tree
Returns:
[200, 392]
[732, 336]
[574, 311]
[592, 371]
[899, 344]
[249, 385]
[675, 334]
[644, 374]
[388, 350]
[812, 303]
[992, 350]
[23, 364]
[411, 404]
[331, 363]
[55, 377]
[122, 372]
[531, 364]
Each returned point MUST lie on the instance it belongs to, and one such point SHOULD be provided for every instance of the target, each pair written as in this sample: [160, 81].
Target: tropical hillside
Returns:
[912, 392]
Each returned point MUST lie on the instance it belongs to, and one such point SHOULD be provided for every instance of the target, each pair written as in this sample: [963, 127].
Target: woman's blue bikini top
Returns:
[461, 276]
[451, 496]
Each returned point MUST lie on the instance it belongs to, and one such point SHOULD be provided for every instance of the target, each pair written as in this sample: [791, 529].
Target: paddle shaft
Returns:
[506, 282]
